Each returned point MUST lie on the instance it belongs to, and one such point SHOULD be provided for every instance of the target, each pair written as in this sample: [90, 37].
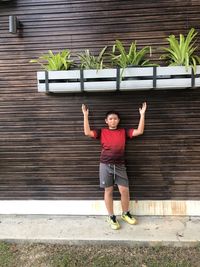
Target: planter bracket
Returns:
[118, 78]
[47, 82]
[154, 77]
[82, 79]
[192, 79]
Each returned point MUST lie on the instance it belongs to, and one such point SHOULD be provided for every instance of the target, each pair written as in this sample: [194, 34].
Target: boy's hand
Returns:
[143, 109]
[85, 110]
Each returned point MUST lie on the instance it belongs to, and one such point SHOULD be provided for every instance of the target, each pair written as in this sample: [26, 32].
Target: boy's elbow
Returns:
[140, 132]
[88, 134]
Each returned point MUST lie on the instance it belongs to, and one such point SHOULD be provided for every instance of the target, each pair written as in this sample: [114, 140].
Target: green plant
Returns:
[181, 52]
[57, 61]
[133, 57]
[89, 61]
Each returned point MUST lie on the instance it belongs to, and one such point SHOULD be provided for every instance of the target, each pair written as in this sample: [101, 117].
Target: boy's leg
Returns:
[125, 199]
[108, 198]
[106, 182]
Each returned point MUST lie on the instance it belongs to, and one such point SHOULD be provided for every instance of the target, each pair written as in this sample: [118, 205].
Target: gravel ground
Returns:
[54, 255]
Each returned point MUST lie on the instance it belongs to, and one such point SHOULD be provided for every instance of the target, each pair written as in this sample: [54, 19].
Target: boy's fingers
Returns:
[143, 108]
[144, 105]
[84, 107]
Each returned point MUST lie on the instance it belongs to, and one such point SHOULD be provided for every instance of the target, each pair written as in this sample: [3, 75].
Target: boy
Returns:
[112, 163]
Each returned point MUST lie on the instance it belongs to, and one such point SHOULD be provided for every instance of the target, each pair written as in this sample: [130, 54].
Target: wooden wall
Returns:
[43, 152]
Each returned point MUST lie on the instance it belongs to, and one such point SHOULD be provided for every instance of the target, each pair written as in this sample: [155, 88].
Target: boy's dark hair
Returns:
[112, 112]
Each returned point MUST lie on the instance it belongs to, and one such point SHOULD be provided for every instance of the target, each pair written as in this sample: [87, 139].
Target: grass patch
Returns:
[57, 255]
[63, 260]
[117, 256]
[6, 255]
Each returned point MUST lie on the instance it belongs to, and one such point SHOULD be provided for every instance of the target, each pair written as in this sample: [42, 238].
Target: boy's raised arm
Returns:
[141, 124]
[87, 130]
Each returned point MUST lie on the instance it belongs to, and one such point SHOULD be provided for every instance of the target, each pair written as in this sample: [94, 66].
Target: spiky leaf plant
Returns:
[89, 61]
[181, 52]
[57, 61]
[134, 57]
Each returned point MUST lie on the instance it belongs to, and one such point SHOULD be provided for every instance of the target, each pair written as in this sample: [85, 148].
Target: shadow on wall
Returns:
[7, 3]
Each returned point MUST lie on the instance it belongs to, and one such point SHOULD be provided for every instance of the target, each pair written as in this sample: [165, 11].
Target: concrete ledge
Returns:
[97, 207]
[150, 231]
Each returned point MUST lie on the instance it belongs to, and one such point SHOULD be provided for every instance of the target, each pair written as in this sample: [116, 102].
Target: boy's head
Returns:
[112, 119]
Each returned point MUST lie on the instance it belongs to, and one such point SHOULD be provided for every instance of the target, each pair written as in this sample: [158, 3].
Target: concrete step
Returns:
[165, 230]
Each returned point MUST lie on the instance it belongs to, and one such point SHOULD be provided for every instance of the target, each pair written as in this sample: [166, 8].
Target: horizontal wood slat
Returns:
[43, 152]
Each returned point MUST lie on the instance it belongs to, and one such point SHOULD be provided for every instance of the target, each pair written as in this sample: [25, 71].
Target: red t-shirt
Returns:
[113, 144]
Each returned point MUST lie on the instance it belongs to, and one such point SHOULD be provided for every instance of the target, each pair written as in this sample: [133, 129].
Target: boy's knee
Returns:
[123, 190]
[109, 190]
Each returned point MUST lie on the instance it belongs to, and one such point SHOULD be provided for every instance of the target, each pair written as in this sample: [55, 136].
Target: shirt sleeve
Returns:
[97, 133]
[129, 133]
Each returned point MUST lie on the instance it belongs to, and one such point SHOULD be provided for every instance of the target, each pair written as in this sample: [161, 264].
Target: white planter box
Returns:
[133, 78]
[178, 77]
[100, 80]
[59, 81]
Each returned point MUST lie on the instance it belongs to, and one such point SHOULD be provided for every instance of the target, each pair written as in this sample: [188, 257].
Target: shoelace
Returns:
[129, 215]
[113, 218]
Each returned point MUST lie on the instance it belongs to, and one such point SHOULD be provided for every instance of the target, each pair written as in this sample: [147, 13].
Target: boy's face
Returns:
[112, 120]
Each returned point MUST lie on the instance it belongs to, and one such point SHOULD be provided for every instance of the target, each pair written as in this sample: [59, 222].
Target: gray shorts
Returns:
[111, 174]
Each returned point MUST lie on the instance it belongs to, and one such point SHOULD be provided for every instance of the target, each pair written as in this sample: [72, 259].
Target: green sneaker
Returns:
[114, 224]
[127, 217]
